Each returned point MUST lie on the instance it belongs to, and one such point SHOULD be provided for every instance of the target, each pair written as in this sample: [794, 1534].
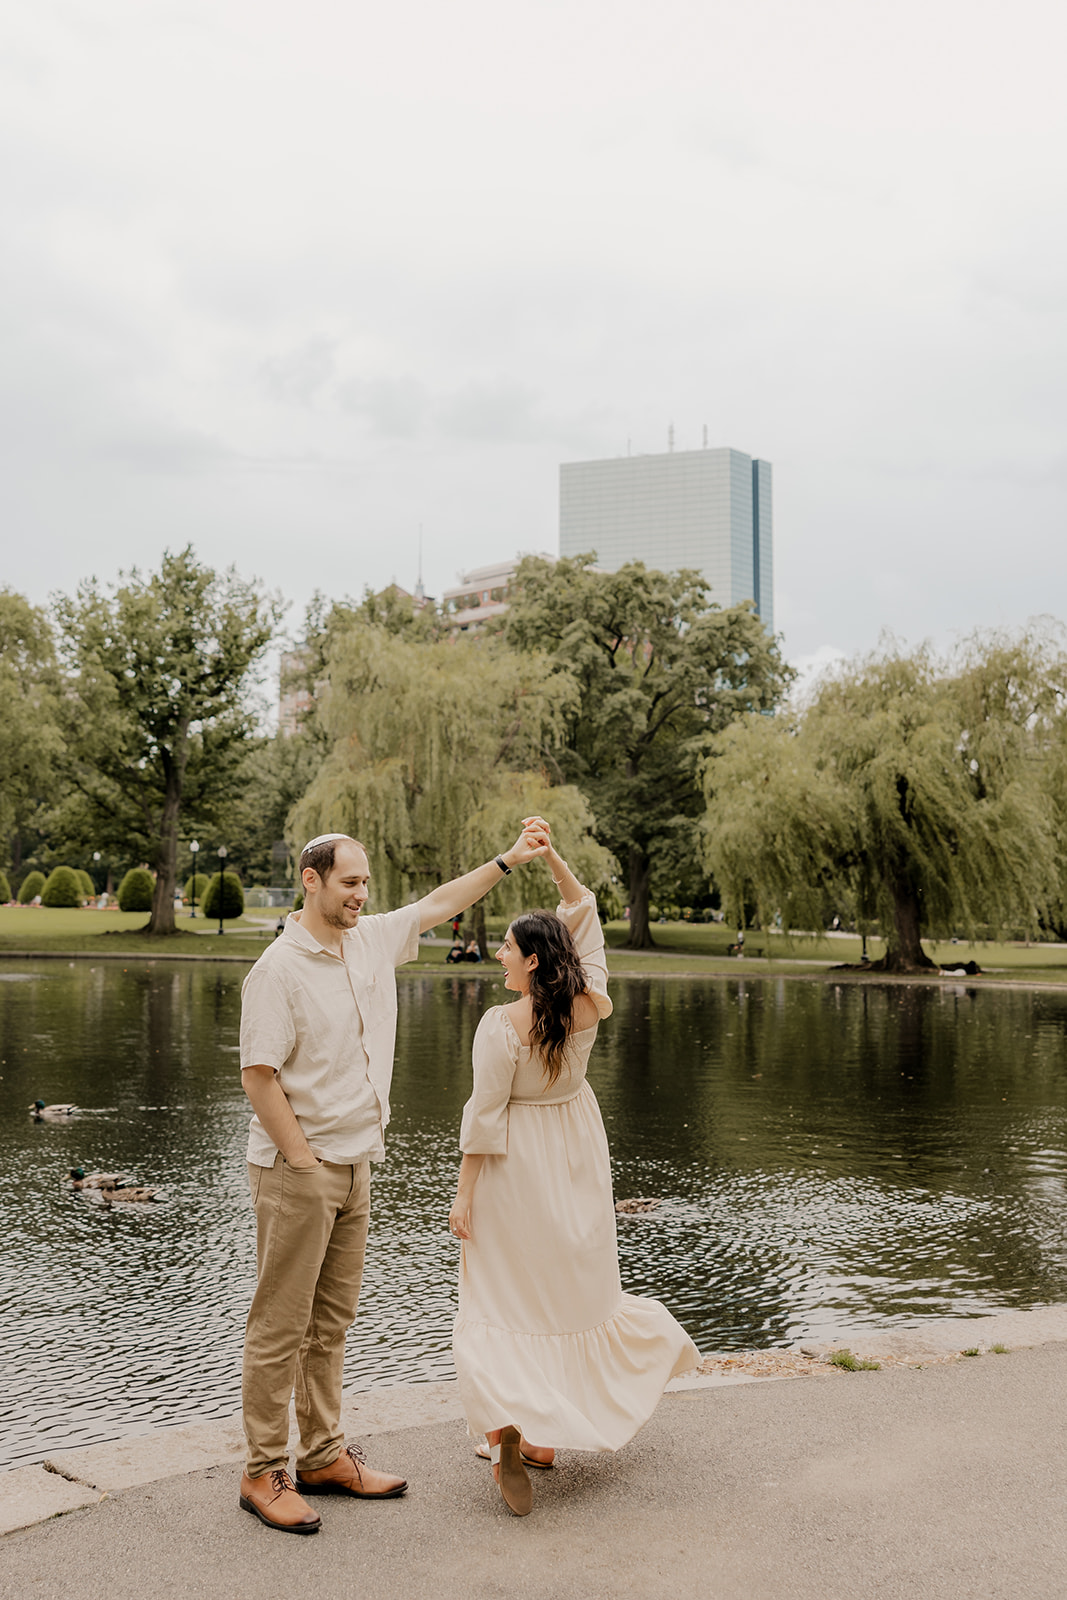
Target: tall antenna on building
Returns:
[705, 436]
[420, 593]
[670, 437]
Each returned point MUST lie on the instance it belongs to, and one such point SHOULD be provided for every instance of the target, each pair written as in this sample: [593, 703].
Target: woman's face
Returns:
[517, 967]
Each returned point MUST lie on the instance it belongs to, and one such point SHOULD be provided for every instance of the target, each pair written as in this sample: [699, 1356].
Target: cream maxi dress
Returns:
[545, 1338]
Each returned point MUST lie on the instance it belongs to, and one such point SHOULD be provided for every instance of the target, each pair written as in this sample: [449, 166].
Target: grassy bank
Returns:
[682, 949]
[86, 932]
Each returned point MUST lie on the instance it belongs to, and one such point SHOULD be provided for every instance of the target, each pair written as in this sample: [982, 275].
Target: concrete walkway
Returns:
[933, 1483]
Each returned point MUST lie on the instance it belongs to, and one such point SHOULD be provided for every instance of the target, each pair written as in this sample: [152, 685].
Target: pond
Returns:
[830, 1159]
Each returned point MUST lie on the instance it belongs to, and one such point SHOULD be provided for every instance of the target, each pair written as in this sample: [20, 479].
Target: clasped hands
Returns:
[533, 841]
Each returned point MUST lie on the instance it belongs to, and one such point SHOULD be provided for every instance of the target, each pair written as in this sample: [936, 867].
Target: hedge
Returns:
[136, 890]
[5, 889]
[233, 896]
[30, 887]
[62, 888]
[88, 886]
[200, 879]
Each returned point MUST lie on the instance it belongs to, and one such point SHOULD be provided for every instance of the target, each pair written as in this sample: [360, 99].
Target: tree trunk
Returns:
[904, 951]
[478, 918]
[640, 873]
[162, 918]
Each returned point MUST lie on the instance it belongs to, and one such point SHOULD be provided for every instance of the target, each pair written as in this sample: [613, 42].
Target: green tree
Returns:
[62, 888]
[436, 752]
[659, 671]
[916, 786]
[30, 740]
[227, 886]
[30, 887]
[5, 890]
[195, 887]
[277, 774]
[157, 714]
[137, 890]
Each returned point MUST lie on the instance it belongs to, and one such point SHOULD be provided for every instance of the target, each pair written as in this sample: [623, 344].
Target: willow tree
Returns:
[156, 711]
[436, 752]
[660, 670]
[917, 787]
[30, 740]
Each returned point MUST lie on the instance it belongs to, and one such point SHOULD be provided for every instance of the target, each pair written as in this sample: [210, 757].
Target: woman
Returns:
[547, 1346]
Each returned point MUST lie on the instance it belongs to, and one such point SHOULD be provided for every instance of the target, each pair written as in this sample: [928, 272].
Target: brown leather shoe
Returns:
[272, 1498]
[350, 1474]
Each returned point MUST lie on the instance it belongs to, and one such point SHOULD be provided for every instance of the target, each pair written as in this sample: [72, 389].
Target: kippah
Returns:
[323, 838]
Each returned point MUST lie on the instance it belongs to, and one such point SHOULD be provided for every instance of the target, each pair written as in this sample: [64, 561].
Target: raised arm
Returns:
[449, 899]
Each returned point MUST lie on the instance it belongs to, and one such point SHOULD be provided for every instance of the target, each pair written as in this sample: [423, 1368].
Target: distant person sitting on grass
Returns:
[318, 1030]
[455, 954]
[472, 953]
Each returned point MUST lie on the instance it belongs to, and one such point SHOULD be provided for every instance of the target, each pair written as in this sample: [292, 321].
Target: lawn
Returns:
[40, 928]
[690, 949]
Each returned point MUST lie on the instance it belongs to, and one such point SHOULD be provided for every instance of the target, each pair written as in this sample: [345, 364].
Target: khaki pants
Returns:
[311, 1234]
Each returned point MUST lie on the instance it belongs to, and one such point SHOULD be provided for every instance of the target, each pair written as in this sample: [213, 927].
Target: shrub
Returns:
[30, 887]
[5, 889]
[233, 896]
[88, 886]
[136, 890]
[200, 881]
[62, 888]
[298, 903]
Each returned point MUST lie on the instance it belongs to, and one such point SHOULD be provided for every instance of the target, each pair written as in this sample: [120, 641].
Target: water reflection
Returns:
[831, 1158]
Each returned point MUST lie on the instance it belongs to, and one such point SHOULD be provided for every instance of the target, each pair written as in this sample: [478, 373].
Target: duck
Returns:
[634, 1207]
[42, 1113]
[128, 1197]
[80, 1179]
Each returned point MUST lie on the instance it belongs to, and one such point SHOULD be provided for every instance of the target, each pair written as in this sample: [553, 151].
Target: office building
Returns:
[480, 594]
[708, 509]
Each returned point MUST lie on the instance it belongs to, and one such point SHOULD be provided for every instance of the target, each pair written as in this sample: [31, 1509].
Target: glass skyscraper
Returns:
[709, 509]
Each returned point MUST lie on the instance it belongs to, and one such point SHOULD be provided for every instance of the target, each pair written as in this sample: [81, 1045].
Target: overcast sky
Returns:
[288, 281]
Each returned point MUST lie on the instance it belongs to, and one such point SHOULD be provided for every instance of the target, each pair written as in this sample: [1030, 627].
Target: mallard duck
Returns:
[128, 1197]
[80, 1179]
[639, 1203]
[42, 1113]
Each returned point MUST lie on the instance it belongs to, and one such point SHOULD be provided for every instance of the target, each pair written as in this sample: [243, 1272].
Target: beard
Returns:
[335, 919]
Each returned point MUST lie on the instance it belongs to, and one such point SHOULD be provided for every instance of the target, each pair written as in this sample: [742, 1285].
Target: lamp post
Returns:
[223, 852]
[96, 857]
[193, 848]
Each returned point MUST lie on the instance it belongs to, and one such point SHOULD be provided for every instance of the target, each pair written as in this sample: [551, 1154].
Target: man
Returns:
[318, 1029]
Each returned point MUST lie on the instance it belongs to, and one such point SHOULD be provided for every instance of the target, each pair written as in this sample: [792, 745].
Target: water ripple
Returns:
[829, 1161]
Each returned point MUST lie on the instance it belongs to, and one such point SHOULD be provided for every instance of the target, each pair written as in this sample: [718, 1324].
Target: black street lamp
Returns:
[223, 852]
[193, 848]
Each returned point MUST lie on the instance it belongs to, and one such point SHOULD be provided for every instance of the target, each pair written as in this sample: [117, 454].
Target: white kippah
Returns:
[323, 838]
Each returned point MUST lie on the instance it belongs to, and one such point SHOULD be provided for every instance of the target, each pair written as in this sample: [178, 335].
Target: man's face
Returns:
[340, 899]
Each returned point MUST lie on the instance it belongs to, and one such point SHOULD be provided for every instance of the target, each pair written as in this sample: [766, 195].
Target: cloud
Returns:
[300, 376]
[396, 408]
[498, 410]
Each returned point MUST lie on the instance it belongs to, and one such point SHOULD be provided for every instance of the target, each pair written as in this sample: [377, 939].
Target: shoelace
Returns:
[280, 1481]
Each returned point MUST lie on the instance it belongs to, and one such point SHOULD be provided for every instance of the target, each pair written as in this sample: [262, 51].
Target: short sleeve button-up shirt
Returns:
[327, 1026]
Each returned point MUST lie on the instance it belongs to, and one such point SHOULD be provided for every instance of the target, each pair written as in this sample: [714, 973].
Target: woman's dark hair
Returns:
[555, 983]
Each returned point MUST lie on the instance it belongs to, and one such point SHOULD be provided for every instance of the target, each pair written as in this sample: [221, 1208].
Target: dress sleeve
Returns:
[583, 923]
[484, 1130]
